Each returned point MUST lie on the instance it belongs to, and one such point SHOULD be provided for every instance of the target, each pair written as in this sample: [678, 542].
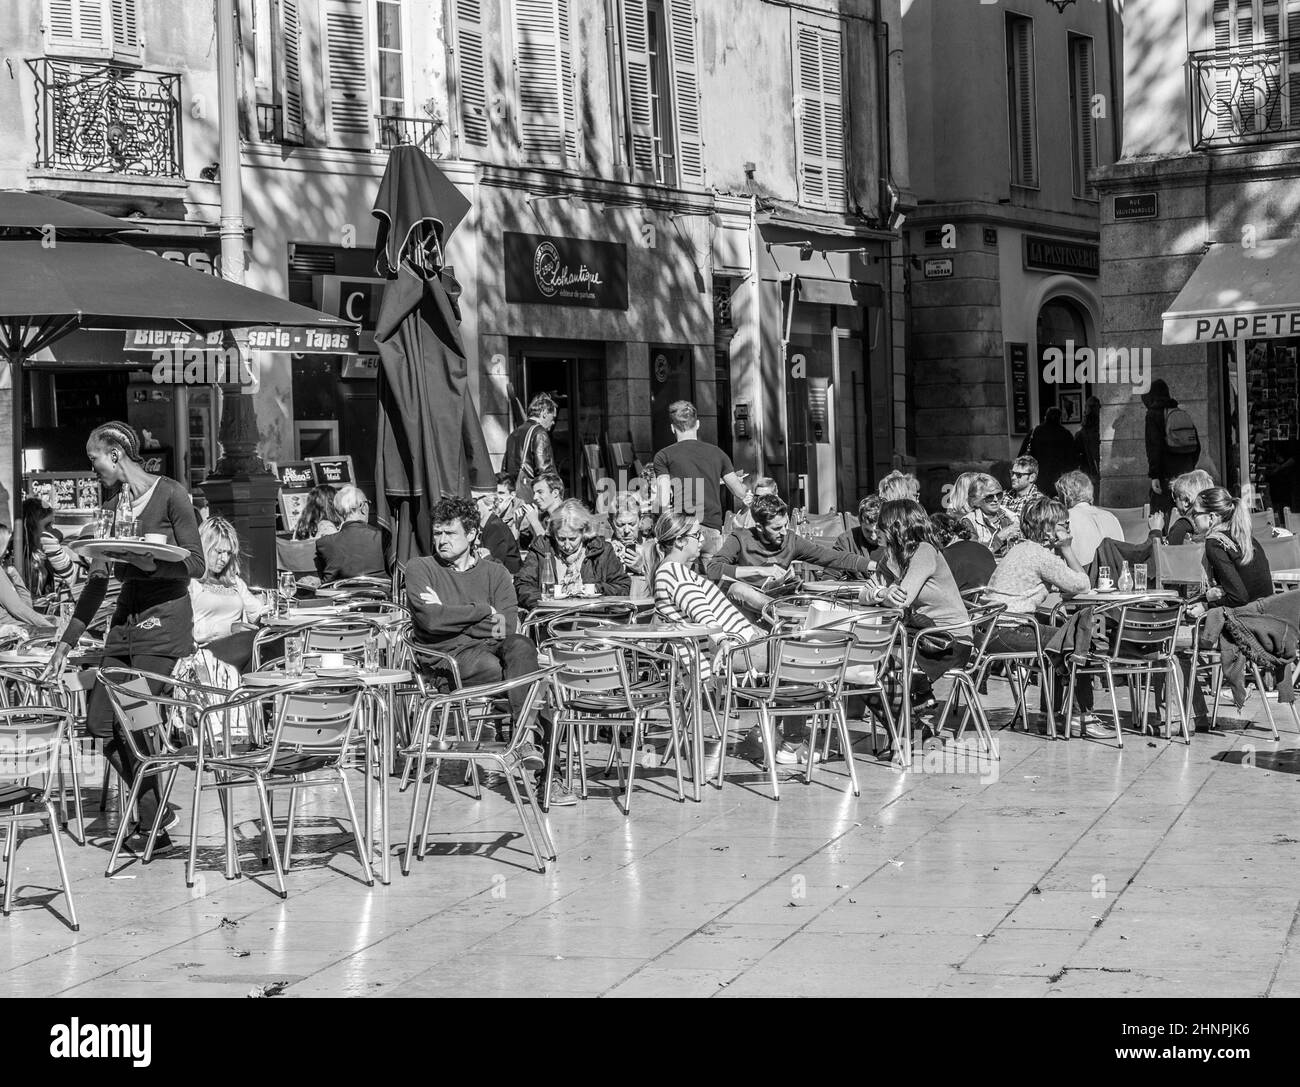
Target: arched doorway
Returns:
[1062, 331]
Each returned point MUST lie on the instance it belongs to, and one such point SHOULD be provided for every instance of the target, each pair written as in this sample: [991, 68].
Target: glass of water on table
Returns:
[293, 645]
[1140, 577]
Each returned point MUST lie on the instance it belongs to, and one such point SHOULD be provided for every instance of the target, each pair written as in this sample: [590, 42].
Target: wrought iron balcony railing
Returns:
[1245, 95]
[393, 130]
[100, 118]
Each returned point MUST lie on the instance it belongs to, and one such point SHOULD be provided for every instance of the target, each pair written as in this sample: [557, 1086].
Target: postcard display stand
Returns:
[1271, 377]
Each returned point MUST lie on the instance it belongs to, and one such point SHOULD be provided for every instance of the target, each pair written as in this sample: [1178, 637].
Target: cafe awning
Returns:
[102, 284]
[1239, 293]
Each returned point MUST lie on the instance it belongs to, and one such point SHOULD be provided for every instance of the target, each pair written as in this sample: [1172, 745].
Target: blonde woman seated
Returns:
[572, 558]
[18, 619]
[225, 609]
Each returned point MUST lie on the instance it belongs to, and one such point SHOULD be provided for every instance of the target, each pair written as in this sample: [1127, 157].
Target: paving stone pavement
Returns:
[1073, 869]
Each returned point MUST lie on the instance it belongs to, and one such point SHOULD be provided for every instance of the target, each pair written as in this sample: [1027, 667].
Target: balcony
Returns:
[94, 118]
[1245, 96]
[394, 130]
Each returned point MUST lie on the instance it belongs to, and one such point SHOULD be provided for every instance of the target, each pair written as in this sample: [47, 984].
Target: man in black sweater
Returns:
[466, 607]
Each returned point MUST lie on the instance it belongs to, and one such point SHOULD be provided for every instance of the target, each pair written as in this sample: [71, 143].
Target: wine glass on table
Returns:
[287, 588]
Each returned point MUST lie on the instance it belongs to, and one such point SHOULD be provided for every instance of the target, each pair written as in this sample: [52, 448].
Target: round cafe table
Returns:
[385, 679]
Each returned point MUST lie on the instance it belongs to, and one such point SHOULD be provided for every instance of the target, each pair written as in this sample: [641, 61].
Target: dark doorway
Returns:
[575, 377]
[672, 378]
[1061, 328]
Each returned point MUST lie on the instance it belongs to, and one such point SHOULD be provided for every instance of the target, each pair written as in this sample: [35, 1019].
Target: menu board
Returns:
[1018, 408]
[65, 490]
[296, 482]
[333, 471]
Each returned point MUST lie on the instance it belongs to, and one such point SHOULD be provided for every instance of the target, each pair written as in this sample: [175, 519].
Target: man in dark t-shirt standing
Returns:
[689, 475]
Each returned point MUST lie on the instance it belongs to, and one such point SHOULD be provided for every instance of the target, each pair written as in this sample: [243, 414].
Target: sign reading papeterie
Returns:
[551, 271]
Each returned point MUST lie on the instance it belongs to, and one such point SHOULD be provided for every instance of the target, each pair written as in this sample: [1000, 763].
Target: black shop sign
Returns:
[1055, 255]
[551, 271]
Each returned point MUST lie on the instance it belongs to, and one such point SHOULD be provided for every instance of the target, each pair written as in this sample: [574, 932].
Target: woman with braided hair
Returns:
[153, 626]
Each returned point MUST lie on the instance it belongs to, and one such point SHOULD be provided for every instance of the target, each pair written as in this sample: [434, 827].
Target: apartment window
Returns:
[1083, 127]
[661, 91]
[820, 144]
[93, 28]
[388, 43]
[1257, 87]
[1021, 106]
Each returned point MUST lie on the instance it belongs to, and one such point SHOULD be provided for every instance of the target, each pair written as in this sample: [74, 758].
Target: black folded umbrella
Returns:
[431, 441]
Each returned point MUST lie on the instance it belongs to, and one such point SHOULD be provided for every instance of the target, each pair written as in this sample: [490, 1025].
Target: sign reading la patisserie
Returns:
[565, 272]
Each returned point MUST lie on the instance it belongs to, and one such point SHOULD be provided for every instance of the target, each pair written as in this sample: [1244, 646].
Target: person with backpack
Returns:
[1173, 445]
[528, 449]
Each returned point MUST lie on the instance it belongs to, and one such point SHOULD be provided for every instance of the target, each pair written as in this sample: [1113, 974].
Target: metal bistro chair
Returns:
[1019, 664]
[467, 717]
[871, 665]
[1283, 552]
[617, 685]
[805, 679]
[539, 623]
[430, 751]
[31, 740]
[311, 743]
[979, 629]
[152, 723]
[1135, 522]
[1142, 646]
[363, 588]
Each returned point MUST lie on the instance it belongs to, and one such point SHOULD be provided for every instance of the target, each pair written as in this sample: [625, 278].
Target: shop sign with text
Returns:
[1055, 255]
[551, 271]
[298, 341]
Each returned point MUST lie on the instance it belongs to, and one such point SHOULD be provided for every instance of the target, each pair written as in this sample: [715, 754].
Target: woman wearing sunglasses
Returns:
[992, 525]
[682, 595]
[1238, 569]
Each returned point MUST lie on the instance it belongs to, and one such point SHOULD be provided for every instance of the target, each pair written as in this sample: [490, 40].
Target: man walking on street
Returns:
[695, 471]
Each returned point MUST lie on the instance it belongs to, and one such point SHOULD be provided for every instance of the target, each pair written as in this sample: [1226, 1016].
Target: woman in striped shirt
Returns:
[683, 596]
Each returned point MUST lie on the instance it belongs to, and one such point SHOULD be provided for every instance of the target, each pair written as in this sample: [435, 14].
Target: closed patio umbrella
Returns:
[431, 440]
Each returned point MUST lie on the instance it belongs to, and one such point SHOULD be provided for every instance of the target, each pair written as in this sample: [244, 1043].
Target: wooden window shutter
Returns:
[77, 27]
[685, 53]
[126, 28]
[347, 74]
[820, 117]
[545, 95]
[289, 90]
[640, 104]
[471, 73]
[568, 84]
[1024, 136]
[1084, 126]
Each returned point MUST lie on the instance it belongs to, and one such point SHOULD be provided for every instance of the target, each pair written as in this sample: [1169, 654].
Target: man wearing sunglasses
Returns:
[1024, 489]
